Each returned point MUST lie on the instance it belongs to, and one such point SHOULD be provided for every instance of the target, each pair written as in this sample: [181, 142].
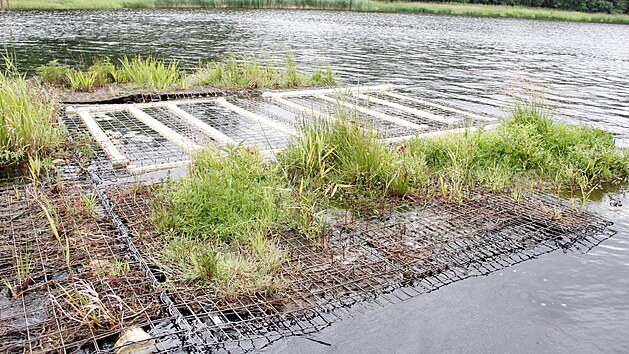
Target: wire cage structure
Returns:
[77, 256]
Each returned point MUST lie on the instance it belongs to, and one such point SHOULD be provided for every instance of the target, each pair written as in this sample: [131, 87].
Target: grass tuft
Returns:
[150, 73]
[29, 125]
[528, 148]
[219, 223]
[139, 72]
[345, 161]
[247, 73]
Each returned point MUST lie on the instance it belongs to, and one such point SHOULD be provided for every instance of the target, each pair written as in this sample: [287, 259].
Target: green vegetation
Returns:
[339, 160]
[346, 162]
[220, 221]
[22, 279]
[607, 6]
[150, 73]
[614, 11]
[29, 126]
[496, 11]
[239, 73]
[139, 72]
[527, 149]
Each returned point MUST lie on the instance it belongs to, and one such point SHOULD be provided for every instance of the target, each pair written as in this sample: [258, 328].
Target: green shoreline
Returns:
[351, 5]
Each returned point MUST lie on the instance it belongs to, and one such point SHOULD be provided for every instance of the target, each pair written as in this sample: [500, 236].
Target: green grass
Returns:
[342, 162]
[220, 223]
[247, 73]
[355, 5]
[527, 149]
[150, 73]
[29, 126]
[138, 72]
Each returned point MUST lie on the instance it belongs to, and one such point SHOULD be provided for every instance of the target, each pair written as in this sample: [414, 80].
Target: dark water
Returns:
[564, 303]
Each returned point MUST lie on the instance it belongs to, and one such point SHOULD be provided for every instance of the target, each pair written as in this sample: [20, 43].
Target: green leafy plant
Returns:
[54, 73]
[80, 80]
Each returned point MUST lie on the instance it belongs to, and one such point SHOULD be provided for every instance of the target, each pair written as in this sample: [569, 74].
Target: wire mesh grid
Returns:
[242, 129]
[70, 281]
[139, 143]
[168, 118]
[365, 264]
[360, 265]
[431, 124]
[384, 128]
[265, 107]
[463, 118]
[100, 167]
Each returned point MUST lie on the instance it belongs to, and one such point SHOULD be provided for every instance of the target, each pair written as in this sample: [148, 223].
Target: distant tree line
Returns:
[608, 6]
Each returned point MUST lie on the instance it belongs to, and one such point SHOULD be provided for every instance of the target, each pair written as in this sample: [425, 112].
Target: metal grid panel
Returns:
[141, 144]
[365, 264]
[99, 165]
[464, 119]
[384, 128]
[242, 129]
[166, 117]
[77, 291]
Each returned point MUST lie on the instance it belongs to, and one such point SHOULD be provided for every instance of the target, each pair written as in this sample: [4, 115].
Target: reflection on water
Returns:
[474, 63]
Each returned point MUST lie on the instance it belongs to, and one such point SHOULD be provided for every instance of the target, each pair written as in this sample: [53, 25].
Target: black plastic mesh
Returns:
[102, 251]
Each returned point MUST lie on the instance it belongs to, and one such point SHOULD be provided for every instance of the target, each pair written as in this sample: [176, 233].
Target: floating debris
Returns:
[135, 341]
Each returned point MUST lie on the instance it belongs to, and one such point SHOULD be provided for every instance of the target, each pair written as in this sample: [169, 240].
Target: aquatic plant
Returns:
[344, 160]
[219, 222]
[150, 72]
[22, 277]
[28, 119]
[104, 71]
[80, 80]
[248, 73]
[88, 203]
[84, 305]
[225, 197]
[53, 73]
[528, 148]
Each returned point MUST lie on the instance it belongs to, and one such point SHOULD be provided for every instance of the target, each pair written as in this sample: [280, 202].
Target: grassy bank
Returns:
[354, 5]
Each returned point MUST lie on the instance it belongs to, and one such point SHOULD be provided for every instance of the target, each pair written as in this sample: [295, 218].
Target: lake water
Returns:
[564, 303]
